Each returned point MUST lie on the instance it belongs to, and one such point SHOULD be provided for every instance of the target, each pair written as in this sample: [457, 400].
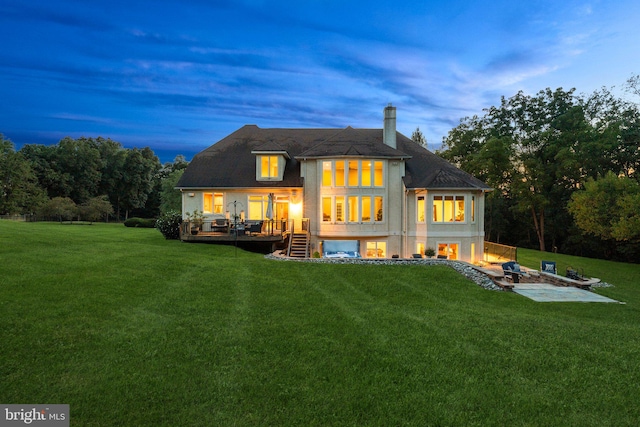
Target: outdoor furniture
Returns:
[238, 229]
[573, 274]
[220, 225]
[254, 228]
[512, 271]
[548, 267]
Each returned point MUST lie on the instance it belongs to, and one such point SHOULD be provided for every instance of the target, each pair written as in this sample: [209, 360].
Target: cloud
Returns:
[81, 118]
[25, 11]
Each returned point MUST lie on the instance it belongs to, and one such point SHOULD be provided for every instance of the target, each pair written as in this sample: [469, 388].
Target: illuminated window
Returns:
[353, 208]
[218, 203]
[257, 207]
[420, 205]
[473, 208]
[366, 209]
[358, 208]
[207, 205]
[366, 173]
[340, 173]
[340, 209]
[326, 209]
[376, 250]
[378, 207]
[437, 209]
[326, 174]
[448, 250]
[353, 173]
[459, 209]
[420, 248]
[269, 166]
[378, 180]
[448, 208]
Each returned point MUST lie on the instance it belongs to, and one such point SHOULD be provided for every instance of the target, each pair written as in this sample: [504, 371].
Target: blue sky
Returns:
[179, 76]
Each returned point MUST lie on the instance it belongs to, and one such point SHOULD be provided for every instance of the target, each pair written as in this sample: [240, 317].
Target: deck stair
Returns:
[299, 241]
[299, 245]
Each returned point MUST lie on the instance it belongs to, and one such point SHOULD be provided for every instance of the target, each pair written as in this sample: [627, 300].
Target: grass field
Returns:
[130, 329]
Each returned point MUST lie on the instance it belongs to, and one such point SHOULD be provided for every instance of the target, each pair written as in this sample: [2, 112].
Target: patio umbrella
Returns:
[270, 207]
[269, 214]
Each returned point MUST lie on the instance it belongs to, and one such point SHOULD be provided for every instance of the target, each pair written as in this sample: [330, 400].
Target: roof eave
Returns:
[272, 153]
[345, 156]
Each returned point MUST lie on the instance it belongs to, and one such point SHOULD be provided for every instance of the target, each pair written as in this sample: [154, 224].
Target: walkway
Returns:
[544, 292]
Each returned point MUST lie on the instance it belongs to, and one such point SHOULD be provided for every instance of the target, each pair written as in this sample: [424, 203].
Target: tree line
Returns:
[565, 169]
[88, 178]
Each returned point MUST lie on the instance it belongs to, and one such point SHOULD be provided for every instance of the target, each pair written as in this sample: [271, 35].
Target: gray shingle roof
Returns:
[353, 142]
[230, 164]
[426, 170]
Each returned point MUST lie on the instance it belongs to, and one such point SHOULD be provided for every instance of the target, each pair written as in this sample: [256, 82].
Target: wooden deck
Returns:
[204, 236]
[208, 232]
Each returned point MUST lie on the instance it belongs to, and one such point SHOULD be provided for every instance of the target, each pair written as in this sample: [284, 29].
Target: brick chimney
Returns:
[389, 130]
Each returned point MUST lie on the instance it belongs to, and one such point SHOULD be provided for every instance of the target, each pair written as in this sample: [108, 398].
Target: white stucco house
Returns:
[373, 187]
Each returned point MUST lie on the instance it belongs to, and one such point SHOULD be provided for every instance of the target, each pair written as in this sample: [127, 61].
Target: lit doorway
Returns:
[448, 250]
[282, 211]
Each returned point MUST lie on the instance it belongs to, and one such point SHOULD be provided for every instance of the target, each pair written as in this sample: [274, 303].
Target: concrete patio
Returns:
[545, 292]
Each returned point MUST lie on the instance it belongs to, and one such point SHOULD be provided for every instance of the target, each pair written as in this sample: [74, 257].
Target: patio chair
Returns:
[254, 228]
[220, 224]
[548, 267]
[512, 270]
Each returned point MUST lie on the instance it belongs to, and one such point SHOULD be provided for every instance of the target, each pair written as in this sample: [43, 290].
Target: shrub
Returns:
[140, 222]
[169, 224]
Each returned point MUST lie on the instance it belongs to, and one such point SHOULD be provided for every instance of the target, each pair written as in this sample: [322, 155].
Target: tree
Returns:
[112, 156]
[62, 208]
[171, 198]
[80, 159]
[44, 163]
[72, 168]
[139, 170]
[95, 209]
[418, 137]
[608, 207]
[633, 84]
[525, 149]
[19, 190]
[615, 136]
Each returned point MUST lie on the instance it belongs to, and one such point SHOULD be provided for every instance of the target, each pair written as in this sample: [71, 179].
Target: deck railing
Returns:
[211, 227]
[495, 252]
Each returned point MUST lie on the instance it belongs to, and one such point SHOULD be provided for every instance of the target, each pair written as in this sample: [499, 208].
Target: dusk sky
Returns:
[179, 76]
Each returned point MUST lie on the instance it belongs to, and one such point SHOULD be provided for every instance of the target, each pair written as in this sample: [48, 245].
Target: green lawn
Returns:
[130, 329]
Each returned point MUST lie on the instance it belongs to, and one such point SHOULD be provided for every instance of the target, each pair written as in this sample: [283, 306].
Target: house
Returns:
[375, 187]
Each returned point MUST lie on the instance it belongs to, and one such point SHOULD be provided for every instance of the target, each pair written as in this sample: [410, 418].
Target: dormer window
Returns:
[270, 165]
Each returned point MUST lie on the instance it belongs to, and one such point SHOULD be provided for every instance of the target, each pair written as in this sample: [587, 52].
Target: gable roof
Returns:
[229, 163]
